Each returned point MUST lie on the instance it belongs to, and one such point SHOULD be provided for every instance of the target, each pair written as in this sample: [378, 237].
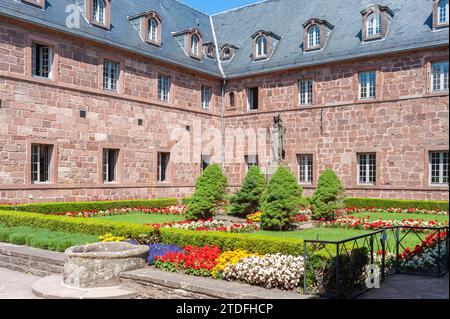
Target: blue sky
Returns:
[214, 6]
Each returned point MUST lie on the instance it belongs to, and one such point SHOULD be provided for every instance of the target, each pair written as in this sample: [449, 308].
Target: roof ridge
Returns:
[241, 7]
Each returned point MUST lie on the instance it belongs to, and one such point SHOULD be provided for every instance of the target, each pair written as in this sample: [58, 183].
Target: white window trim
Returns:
[41, 60]
[99, 11]
[261, 47]
[367, 85]
[442, 66]
[367, 165]
[441, 8]
[38, 162]
[250, 100]
[111, 75]
[206, 93]
[313, 37]
[195, 40]
[153, 30]
[303, 87]
[164, 88]
[106, 169]
[160, 166]
[308, 158]
[373, 25]
[441, 169]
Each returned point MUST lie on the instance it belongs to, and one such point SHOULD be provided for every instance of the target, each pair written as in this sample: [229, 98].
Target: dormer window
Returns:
[194, 44]
[37, 3]
[264, 44]
[440, 13]
[261, 47]
[153, 30]
[374, 25]
[375, 22]
[226, 53]
[97, 12]
[316, 34]
[313, 37]
[210, 50]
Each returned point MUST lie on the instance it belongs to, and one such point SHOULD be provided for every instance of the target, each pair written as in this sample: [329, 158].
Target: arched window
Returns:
[99, 11]
[226, 53]
[314, 36]
[194, 44]
[153, 30]
[261, 46]
[373, 24]
[443, 12]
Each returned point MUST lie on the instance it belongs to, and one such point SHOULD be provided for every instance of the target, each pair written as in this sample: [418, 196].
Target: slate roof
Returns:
[410, 29]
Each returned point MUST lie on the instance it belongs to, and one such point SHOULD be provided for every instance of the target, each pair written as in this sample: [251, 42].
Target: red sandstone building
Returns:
[90, 91]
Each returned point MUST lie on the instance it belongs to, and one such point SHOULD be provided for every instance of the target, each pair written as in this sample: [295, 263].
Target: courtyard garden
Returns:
[256, 236]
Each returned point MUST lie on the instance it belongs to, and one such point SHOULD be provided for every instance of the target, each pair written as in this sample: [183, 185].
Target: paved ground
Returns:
[410, 287]
[16, 285]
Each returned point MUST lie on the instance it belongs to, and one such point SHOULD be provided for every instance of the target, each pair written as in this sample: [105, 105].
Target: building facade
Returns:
[104, 99]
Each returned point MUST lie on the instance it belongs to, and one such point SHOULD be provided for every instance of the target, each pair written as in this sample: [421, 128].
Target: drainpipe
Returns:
[222, 124]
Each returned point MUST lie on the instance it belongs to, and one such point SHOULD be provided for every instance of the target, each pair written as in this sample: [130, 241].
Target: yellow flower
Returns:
[229, 258]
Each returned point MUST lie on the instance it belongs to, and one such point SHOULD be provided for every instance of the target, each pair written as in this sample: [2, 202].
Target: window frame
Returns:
[206, 97]
[38, 3]
[368, 86]
[37, 171]
[369, 167]
[309, 172]
[437, 14]
[315, 37]
[261, 50]
[204, 159]
[443, 76]
[309, 93]
[251, 106]
[441, 169]
[377, 27]
[117, 79]
[106, 24]
[51, 60]
[247, 162]
[159, 175]
[160, 86]
[106, 162]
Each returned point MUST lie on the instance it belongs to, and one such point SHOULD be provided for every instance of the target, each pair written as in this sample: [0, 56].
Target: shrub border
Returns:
[396, 203]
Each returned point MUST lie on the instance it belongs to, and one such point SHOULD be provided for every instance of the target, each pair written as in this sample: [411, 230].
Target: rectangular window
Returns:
[439, 76]
[99, 11]
[305, 168]
[438, 168]
[206, 160]
[163, 88]
[251, 160]
[252, 98]
[443, 11]
[110, 158]
[367, 167]
[367, 85]
[41, 157]
[111, 71]
[42, 57]
[305, 89]
[163, 165]
[206, 97]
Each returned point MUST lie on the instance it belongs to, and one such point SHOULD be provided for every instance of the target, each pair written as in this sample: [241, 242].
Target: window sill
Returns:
[155, 43]
[315, 48]
[99, 25]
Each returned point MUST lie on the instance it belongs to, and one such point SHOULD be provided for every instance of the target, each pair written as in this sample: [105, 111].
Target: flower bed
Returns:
[353, 222]
[357, 210]
[169, 210]
[301, 217]
[210, 225]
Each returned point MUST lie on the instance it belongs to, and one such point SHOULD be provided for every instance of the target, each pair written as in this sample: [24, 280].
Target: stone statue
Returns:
[278, 140]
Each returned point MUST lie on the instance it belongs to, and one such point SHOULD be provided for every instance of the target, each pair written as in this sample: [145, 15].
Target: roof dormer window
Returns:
[97, 12]
[37, 3]
[227, 51]
[316, 34]
[194, 44]
[313, 36]
[374, 25]
[149, 25]
[153, 30]
[261, 47]
[210, 50]
[375, 22]
[264, 44]
[440, 13]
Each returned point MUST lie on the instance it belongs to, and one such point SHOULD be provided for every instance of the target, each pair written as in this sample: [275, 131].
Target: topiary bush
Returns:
[248, 199]
[209, 190]
[328, 197]
[281, 200]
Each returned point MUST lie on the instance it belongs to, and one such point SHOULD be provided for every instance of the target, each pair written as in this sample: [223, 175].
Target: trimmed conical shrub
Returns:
[248, 199]
[281, 200]
[328, 197]
[209, 190]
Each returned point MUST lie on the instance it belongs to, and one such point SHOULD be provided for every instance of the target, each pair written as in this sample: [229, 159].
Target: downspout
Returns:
[224, 82]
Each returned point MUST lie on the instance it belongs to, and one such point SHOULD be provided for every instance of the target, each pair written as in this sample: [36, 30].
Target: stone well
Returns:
[99, 265]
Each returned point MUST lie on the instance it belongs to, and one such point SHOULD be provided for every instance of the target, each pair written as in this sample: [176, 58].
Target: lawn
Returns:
[402, 216]
[44, 238]
[139, 218]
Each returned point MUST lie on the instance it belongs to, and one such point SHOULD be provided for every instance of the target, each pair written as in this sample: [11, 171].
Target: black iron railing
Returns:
[346, 268]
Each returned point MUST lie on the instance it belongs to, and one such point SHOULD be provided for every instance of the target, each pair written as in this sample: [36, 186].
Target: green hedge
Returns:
[47, 208]
[397, 203]
[231, 241]
[91, 226]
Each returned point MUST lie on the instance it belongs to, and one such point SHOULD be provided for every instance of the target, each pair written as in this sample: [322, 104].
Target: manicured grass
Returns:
[44, 238]
[401, 216]
[144, 218]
